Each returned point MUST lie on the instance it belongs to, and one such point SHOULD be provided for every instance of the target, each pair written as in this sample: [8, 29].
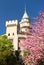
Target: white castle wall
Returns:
[11, 27]
[25, 22]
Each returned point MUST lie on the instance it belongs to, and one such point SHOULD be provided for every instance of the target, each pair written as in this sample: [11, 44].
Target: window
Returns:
[8, 34]
[18, 40]
[13, 33]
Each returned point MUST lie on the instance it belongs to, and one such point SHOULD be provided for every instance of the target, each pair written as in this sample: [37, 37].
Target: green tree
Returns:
[6, 48]
[7, 55]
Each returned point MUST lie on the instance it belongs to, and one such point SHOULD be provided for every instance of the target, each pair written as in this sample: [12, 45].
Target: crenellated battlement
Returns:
[12, 22]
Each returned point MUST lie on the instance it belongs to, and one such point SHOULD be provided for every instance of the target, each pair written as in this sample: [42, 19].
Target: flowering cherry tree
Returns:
[35, 43]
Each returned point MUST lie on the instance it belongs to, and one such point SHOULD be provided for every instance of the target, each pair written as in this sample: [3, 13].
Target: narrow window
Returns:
[13, 33]
[8, 34]
[18, 40]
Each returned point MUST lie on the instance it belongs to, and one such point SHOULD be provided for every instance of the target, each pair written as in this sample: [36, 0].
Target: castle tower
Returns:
[16, 31]
[12, 31]
[25, 25]
[25, 29]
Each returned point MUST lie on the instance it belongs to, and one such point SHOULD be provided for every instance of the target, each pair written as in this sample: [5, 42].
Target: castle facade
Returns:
[16, 31]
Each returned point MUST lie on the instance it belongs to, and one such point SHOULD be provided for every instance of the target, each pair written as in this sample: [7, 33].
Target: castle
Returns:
[16, 31]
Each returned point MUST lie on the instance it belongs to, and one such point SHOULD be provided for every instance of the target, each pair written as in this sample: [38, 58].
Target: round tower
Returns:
[25, 29]
[25, 25]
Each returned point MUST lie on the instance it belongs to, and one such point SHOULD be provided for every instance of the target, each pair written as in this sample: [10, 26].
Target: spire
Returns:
[25, 9]
[25, 13]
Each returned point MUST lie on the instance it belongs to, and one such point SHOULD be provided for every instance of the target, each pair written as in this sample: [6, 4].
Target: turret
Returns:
[25, 25]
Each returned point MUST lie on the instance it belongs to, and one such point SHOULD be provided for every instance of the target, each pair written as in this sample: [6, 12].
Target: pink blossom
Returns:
[35, 43]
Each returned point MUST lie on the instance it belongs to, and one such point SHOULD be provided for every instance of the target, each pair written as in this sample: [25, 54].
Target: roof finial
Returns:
[25, 8]
[25, 13]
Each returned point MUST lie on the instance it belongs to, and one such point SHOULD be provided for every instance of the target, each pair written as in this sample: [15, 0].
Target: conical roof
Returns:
[25, 14]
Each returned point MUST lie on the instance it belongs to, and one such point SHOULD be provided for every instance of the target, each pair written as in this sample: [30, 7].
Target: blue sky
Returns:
[14, 9]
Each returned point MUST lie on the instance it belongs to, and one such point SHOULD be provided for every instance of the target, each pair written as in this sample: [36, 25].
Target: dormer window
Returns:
[8, 34]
